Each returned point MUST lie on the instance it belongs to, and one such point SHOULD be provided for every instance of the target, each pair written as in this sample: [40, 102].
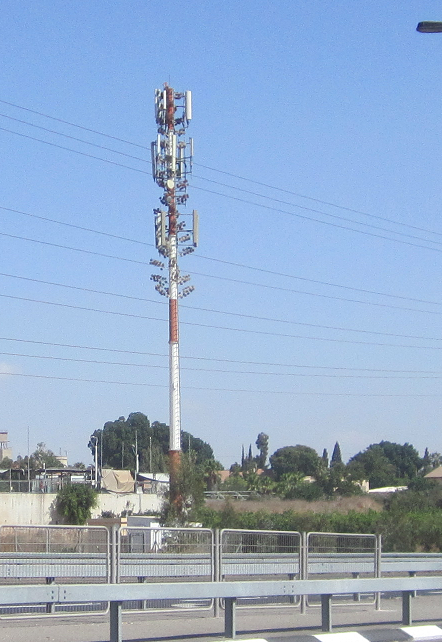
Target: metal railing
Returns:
[116, 594]
[260, 555]
[54, 554]
[165, 554]
[342, 554]
[128, 555]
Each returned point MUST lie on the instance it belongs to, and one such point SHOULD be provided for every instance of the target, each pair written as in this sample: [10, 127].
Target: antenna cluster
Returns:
[171, 165]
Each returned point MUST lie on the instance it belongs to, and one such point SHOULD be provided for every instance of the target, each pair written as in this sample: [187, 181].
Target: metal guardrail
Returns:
[165, 554]
[260, 555]
[115, 594]
[342, 553]
[62, 554]
[54, 554]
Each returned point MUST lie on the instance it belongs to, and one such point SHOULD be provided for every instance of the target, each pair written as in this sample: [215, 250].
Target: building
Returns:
[5, 451]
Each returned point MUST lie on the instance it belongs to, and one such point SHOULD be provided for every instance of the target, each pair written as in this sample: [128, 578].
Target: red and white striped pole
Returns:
[170, 165]
[174, 365]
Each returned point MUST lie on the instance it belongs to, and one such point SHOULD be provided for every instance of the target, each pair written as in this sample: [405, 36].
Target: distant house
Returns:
[435, 474]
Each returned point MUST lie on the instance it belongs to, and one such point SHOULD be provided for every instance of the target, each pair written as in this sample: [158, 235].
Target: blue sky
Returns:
[317, 310]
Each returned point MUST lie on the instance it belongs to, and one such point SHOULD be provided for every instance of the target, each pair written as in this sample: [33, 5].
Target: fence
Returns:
[54, 554]
[128, 555]
[165, 554]
[335, 554]
[259, 555]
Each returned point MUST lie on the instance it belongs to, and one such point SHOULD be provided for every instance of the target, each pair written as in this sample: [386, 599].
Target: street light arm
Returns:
[429, 27]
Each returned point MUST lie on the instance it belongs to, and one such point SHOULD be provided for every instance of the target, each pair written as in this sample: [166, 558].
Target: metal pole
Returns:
[29, 471]
[170, 166]
[96, 462]
[230, 618]
[216, 557]
[174, 366]
[406, 607]
[326, 613]
[101, 455]
[303, 570]
[378, 569]
[115, 622]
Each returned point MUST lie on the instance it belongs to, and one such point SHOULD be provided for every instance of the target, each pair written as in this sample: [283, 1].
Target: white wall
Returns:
[39, 508]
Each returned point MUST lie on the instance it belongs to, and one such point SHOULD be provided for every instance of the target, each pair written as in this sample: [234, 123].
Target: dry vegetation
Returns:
[359, 504]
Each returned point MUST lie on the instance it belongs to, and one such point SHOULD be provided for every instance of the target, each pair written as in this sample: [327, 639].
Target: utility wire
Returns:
[248, 331]
[76, 227]
[225, 173]
[219, 370]
[224, 312]
[235, 390]
[222, 261]
[273, 199]
[241, 281]
[241, 200]
[193, 358]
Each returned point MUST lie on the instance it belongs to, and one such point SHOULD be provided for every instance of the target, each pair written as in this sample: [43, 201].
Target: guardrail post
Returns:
[216, 560]
[378, 569]
[406, 607]
[326, 613]
[303, 569]
[50, 606]
[114, 555]
[115, 622]
[356, 596]
[230, 617]
[413, 574]
[141, 603]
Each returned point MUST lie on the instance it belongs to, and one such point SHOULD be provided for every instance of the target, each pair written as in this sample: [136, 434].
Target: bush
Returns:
[75, 503]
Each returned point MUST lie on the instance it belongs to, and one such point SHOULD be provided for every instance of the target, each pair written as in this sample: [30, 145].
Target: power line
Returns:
[315, 211]
[218, 370]
[235, 390]
[74, 151]
[273, 199]
[214, 311]
[73, 249]
[315, 220]
[248, 331]
[318, 282]
[241, 200]
[193, 358]
[224, 262]
[77, 227]
[213, 169]
[241, 281]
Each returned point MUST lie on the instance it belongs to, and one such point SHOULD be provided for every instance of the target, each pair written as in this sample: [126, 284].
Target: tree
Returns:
[190, 487]
[325, 458]
[430, 461]
[42, 457]
[262, 443]
[295, 459]
[336, 455]
[211, 476]
[386, 464]
[118, 441]
[75, 502]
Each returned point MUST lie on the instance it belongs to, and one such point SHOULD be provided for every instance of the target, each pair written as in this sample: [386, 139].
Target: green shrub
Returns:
[75, 503]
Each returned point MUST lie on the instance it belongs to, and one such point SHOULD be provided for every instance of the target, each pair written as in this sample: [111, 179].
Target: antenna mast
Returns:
[171, 163]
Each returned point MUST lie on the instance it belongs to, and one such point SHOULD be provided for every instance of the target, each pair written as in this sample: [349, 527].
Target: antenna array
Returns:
[174, 236]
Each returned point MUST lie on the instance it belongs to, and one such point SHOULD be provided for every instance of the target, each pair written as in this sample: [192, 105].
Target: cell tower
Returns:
[171, 164]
